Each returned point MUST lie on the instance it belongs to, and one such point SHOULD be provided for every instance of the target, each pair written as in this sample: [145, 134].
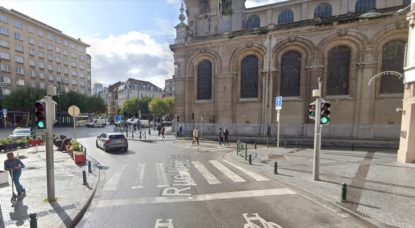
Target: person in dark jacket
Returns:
[14, 166]
[226, 133]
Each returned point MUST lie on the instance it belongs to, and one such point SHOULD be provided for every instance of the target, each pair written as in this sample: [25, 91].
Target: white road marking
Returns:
[160, 223]
[113, 181]
[140, 171]
[161, 176]
[209, 177]
[233, 176]
[257, 177]
[195, 198]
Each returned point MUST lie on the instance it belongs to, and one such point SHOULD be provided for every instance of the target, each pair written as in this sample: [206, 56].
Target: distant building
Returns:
[97, 87]
[104, 94]
[113, 98]
[169, 88]
[38, 55]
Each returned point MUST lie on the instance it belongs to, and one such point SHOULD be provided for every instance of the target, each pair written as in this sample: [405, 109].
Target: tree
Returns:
[143, 105]
[130, 106]
[22, 99]
[84, 102]
[170, 102]
[159, 106]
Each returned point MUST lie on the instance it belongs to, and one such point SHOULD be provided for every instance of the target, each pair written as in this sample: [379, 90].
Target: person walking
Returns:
[180, 130]
[195, 136]
[162, 131]
[14, 166]
[226, 133]
[220, 136]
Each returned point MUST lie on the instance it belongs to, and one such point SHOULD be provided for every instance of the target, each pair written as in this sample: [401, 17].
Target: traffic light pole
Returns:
[50, 169]
[317, 133]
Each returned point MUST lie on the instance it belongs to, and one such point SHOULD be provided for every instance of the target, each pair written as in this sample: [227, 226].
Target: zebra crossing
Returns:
[212, 172]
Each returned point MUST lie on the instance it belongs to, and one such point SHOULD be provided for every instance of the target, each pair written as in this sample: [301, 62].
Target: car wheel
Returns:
[125, 149]
[105, 148]
[96, 143]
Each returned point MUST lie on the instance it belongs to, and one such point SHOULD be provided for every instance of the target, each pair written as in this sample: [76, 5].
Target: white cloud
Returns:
[254, 3]
[175, 2]
[135, 54]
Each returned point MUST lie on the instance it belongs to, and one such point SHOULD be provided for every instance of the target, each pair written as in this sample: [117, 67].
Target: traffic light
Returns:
[40, 115]
[312, 110]
[325, 112]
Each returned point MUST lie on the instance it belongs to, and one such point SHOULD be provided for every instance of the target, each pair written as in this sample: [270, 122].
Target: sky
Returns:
[127, 38]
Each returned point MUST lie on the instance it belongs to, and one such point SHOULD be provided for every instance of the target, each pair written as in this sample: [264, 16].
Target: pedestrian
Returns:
[195, 136]
[180, 130]
[162, 131]
[226, 133]
[220, 136]
[14, 166]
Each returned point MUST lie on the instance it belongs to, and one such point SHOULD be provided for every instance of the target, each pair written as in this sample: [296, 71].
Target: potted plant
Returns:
[78, 155]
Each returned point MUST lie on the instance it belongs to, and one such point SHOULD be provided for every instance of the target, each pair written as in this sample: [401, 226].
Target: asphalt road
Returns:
[175, 184]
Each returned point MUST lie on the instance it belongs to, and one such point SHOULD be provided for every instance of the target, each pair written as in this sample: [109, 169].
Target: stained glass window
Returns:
[249, 77]
[338, 71]
[204, 80]
[365, 5]
[392, 60]
[290, 74]
[286, 16]
[323, 10]
[253, 22]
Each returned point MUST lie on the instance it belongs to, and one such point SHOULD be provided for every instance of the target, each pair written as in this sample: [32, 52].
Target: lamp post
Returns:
[2, 86]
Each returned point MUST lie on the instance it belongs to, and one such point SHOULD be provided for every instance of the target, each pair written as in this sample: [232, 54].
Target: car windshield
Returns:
[116, 136]
[21, 131]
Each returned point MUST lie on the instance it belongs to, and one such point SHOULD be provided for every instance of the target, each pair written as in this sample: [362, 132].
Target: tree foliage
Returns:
[85, 103]
[22, 99]
[159, 106]
[130, 106]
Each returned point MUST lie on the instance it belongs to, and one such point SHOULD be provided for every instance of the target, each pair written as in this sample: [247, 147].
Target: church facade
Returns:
[232, 61]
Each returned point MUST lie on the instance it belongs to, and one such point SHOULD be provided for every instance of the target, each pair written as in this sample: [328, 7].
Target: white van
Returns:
[96, 123]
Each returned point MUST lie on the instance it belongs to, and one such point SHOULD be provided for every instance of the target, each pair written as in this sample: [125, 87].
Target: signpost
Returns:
[278, 106]
[74, 112]
[4, 116]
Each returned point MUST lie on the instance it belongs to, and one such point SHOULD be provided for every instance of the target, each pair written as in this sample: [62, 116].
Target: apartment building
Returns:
[38, 55]
[169, 87]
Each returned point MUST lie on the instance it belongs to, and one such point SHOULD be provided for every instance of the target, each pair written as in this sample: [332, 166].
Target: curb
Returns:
[311, 195]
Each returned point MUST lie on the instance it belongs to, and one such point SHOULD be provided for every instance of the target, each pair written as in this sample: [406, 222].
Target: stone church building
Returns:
[232, 61]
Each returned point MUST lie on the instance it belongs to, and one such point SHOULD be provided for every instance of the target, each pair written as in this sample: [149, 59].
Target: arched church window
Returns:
[290, 74]
[226, 7]
[323, 10]
[249, 77]
[286, 16]
[204, 80]
[392, 60]
[204, 6]
[338, 71]
[365, 5]
[253, 22]
[406, 2]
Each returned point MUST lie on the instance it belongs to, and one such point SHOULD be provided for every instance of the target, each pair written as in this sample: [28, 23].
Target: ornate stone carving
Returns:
[342, 31]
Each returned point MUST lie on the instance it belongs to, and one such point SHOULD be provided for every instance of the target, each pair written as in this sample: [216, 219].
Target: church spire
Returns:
[181, 16]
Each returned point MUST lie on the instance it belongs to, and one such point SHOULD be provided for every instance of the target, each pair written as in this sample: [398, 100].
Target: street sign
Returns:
[117, 118]
[278, 103]
[74, 110]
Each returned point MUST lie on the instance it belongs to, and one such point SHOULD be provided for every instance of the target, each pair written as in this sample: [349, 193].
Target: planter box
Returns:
[35, 142]
[4, 177]
[79, 157]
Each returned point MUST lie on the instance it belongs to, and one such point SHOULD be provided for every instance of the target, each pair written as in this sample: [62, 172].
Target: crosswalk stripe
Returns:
[161, 176]
[209, 177]
[113, 181]
[233, 176]
[140, 171]
[257, 177]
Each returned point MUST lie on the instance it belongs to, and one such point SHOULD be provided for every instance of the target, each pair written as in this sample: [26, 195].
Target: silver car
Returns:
[111, 141]
[20, 133]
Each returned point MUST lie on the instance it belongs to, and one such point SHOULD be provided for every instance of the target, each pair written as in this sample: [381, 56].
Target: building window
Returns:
[4, 43]
[58, 69]
[40, 44]
[338, 71]
[41, 54]
[74, 73]
[18, 24]
[32, 51]
[4, 31]
[392, 60]
[50, 57]
[290, 74]
[19, 47]
[31, 41]
[204, 80]
[29, 29]
[58, 50]
[49, 47]
[73, 64]
[5, 67]
[4, 55]
[323, 10]
[204, 6]
[41, 75]
[65, 43]
[286, 16]
[42, 85]
[58, 40]
[40, 33]
[31, 62]
[18, 36]
[58, 59]
[49, 36]
[65, 52]
[19, 59]
[365, 5]
[50, 67]
[249, 77]
[65, 71]
[32, 73]
[50, 77]
[253, 22]
[7, 80]
[41, 65]
[3, 18]
[20, 82]
[20, 70]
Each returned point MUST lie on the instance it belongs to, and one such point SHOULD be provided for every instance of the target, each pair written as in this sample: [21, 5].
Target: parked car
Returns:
[110, 141]
[132, 121]
[96, 123]
[20, 133]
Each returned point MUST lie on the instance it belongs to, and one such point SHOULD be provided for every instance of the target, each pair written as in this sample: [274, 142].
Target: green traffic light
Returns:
[324, 120]
[40, 124]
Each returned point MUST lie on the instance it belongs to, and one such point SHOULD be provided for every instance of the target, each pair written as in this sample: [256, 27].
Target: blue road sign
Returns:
[278, 103]
[117, 118]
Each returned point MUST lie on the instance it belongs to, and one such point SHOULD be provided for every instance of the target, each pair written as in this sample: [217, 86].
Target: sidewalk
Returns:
[72, 197]
[380, 190]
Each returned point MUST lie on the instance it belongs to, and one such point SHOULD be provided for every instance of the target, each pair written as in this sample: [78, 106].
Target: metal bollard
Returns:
[250, 159]
[132, 134]
[84, 177]
[140, 135]
[275, 167]
[126, 131]
[246, 151]
[145, 136]
[89, 167]
[33, 220]
[344, 192]
[255, 146]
